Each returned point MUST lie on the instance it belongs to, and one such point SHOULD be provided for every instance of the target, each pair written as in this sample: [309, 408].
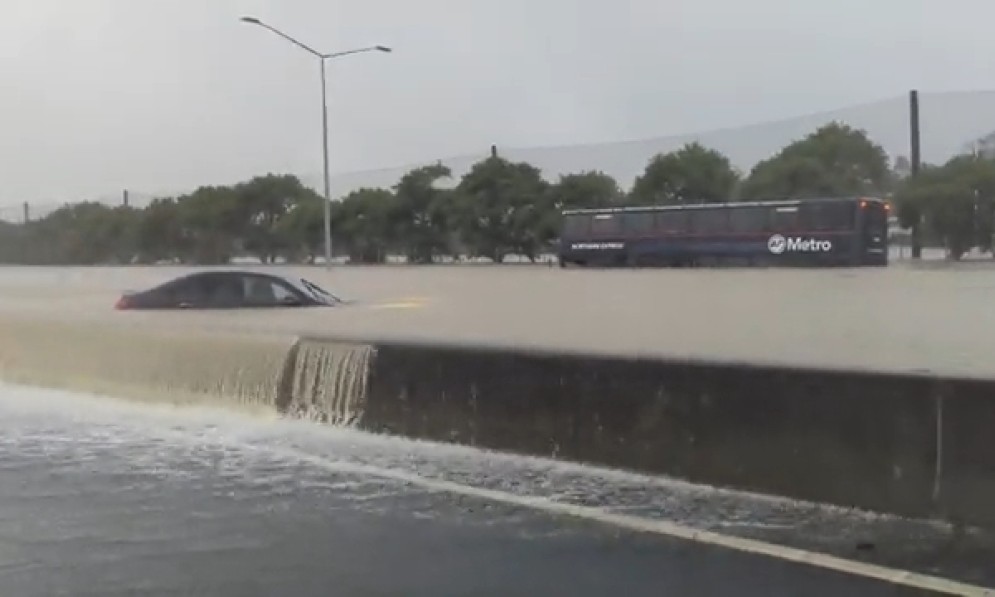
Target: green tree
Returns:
[692, 174]
[212, 225]
[501, 205]
[262, 202]
[301, 231]
[363, 222]
[585, 190]
[159, 234]
[84, 233]
[13, 243]
[954, 203]
[977, 173]
[835, 160]
[422, 213]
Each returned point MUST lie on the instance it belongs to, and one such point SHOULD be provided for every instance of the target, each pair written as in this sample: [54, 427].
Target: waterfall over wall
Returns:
[179, 366]
[325, 381]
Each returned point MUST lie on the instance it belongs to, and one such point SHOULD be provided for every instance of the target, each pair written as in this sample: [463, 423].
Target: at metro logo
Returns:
[809, 245]
[779, 244]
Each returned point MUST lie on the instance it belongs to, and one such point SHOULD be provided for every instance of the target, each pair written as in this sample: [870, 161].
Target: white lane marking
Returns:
[644, 525]
[633, 523]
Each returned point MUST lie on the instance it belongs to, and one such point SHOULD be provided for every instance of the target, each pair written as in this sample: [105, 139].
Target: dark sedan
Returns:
[230, 290]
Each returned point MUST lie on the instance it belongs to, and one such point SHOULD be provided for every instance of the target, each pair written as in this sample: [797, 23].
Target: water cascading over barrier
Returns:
[915, 445]
[177, 366]
[325, 381]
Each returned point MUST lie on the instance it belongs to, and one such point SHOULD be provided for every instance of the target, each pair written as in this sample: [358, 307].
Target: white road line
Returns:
[645, 525]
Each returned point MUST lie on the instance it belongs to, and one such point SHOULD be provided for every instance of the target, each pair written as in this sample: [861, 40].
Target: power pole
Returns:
[124, 197]
[914, 166]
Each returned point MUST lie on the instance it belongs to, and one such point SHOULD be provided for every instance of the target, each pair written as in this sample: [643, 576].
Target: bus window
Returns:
[820, 216]
[672, 222]
[748, 220]
[576, 225]
[783, 218]
[709, 221]
[605, 225]
[637, 224]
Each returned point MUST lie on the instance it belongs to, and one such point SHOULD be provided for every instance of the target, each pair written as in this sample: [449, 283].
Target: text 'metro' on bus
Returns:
[806, 232]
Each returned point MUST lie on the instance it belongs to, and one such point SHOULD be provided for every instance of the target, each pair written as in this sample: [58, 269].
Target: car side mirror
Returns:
[291, 301]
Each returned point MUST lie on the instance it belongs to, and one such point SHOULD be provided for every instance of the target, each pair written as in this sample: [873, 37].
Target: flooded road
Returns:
[897, 318]
[104, 497]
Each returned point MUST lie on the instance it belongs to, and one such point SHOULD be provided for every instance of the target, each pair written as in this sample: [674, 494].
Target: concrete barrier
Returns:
[913, 445]
[906, 444]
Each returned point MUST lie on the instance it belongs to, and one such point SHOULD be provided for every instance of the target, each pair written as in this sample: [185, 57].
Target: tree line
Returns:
[498, 208]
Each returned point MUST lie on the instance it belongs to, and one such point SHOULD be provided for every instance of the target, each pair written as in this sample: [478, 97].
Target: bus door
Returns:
[875, 230]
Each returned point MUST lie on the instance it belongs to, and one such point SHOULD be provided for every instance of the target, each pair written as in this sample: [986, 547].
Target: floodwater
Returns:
[934, 318]
[110, 497]
[104, 497]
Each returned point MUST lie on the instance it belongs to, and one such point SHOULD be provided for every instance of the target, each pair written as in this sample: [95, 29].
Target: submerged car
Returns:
[230, 290]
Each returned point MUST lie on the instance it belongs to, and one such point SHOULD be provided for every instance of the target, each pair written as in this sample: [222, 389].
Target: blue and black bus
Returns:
[805, 232]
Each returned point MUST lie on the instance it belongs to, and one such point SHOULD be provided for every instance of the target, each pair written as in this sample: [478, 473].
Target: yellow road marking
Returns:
[410, 303]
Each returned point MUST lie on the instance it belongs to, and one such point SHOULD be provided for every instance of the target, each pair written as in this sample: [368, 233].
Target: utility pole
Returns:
[916, 162]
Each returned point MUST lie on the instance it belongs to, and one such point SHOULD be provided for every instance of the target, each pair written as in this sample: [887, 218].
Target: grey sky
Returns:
[99, 95]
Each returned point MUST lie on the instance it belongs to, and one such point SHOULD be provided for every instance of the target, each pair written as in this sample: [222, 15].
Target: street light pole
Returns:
[324, 119]
[324, 162]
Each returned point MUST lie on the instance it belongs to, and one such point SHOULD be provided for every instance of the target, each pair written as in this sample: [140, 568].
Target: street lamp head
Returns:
[252, 20]
[384, 49]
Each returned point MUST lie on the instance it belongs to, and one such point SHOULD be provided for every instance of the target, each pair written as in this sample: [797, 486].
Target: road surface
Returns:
[105, 498]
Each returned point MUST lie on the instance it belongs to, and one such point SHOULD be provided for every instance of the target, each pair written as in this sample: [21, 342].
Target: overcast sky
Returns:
[155, 95]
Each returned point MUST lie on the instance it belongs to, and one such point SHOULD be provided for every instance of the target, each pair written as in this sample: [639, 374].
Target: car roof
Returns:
[233, 272]
[226, 272]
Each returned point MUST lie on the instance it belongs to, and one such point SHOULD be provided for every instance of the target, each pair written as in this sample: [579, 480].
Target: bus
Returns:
[845, 232]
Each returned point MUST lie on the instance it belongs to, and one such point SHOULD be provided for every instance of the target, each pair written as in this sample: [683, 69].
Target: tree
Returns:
[692, 174]
[212, 225]
[13, 243]
[835, 160]
[953, 202]
[585, 190]
[159, 232]
[977, 174]
[498, 204]
[84, 233]
[301, 231]
[498, 208]
[422, 213]
[262, 202]
[362, 222]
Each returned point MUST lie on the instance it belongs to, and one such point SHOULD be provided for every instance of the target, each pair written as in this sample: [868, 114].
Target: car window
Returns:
[185, 290]
[223, 290]
[260, 290]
